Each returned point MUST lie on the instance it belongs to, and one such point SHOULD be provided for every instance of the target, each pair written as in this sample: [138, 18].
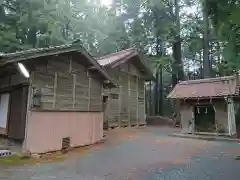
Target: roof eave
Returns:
[202, 97]
[22, 58]
[100, 68]
[72, 48]
[147, 70]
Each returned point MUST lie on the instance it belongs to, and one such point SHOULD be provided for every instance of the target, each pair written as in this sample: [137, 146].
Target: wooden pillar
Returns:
[70, 65]
[150, 98]
[146, 111]
[129, 101]
[55, 90]
[145, 104]
[119, 105]
[74, 89]
[29, 104]
[137, 116]
[108, 111]
[231, 117]
[89, 91]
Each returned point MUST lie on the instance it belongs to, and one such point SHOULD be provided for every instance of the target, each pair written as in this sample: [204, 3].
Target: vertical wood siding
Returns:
[129, 107]
[66, 84]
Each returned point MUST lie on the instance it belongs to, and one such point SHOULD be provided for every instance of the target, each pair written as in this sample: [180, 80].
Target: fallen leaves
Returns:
[162, 141]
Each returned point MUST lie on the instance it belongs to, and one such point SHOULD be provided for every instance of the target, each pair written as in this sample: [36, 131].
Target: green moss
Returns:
[15, 160]
[23, 160]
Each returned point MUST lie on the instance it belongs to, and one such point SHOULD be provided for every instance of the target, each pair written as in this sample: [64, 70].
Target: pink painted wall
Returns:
[45, 130]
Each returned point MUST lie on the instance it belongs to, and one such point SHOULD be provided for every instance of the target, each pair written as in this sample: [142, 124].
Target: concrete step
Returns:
[4, 153]
[205, 137]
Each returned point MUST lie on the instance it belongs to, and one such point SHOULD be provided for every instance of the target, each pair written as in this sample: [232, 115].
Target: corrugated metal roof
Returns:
[76, 46]
[203, 88]
[115, 59]
[36, 52]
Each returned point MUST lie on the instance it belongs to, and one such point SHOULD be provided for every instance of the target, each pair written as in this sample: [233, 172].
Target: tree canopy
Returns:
[183, 36]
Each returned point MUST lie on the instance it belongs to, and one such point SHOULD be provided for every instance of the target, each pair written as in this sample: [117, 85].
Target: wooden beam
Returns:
[55, 89]
[92, 68]
[106, 81]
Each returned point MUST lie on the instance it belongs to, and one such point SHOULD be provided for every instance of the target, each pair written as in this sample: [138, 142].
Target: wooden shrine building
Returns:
[125, 105]
[209, 105]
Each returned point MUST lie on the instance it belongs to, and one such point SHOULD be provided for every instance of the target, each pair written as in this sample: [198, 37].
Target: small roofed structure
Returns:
[126, 104]
[208, 105]
[51, 98]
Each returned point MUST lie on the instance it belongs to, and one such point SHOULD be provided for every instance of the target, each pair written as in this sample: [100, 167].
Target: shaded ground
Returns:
[144, 154]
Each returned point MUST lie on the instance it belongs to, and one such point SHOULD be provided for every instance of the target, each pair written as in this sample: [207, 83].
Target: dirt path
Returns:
[144, 154]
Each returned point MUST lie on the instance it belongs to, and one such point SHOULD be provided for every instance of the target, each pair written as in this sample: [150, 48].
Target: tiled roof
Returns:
[203, 88]
[115, 57]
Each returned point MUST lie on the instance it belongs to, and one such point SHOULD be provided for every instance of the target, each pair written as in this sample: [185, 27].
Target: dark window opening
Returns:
[204, 118]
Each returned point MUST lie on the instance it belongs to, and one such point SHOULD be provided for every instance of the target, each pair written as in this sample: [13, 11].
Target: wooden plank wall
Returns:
[113, 113]
[12, 80]
[129, 108]
[66, 84]
[141, 102]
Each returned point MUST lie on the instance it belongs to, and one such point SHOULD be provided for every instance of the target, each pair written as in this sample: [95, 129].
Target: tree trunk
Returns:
[178, 73]
[160, 104]
[177, 66]
[201, 64]
[157, 93]
[206, 61]
[159, 85]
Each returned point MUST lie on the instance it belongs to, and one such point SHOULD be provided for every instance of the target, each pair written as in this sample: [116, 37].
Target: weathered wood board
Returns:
[129, 108]
[66, 84]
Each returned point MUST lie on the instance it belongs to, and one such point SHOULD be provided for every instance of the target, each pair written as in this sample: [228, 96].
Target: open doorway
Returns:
[17, 113]
[4, 110]
[204, 118]
[105, 104]
[13, 108]
[237, 118]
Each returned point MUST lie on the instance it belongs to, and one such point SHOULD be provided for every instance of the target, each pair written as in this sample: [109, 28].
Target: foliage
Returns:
[151, 26]
[224, 15]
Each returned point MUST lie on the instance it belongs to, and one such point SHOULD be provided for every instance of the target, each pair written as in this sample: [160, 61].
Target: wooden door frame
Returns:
[207, 105]
[9, 90]
[9, 100]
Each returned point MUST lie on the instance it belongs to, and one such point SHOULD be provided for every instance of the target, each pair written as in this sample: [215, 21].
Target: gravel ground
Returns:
[141, 154]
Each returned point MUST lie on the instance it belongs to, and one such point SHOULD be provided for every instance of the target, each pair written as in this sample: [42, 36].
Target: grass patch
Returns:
[18, 160]
[21, 159]
[15, 160]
